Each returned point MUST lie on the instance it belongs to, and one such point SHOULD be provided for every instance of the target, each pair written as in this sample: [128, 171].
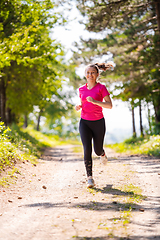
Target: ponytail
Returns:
[102, 66]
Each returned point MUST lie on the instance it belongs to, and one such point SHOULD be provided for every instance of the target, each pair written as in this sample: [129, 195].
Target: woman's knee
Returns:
[98, 151]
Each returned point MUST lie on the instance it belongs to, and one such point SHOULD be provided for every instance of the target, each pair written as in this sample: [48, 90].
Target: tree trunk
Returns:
[156, 104]
[25, 121]
[157, 3]
[140, 118]
[38, 121]
[157, 114]
[133, 122]
[149, 119]
[9, 118]
[2, 101]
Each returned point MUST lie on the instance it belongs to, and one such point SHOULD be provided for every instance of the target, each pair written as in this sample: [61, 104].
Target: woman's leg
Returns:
[86, 137]
[98, 136]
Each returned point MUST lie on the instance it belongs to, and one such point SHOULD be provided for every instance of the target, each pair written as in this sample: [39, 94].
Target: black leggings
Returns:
[92, 130]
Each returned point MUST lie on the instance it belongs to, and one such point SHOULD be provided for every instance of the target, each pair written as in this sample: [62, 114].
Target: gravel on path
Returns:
[50, 200]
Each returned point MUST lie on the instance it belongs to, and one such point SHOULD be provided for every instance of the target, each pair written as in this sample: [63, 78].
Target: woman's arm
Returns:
[78, 107]
[106, 104]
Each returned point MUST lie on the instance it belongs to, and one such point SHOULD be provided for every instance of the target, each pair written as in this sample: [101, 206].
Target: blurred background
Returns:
[45, 46]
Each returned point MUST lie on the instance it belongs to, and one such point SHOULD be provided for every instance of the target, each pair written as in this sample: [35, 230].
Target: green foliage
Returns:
[19, 145]
[10, 178]
[149, 145]
[65, 127]
[24, 144]
[24, 141]
[132, 39]
[44, 140]
[8, 153]
[31, 68]
[134, 140]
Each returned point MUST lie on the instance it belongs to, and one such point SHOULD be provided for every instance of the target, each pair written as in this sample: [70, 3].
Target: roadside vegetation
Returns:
[148, 145]
[18, 144]
[23, 144]
[37, 82]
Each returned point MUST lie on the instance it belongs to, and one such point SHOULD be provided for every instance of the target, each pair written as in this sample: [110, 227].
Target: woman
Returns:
[94, 96]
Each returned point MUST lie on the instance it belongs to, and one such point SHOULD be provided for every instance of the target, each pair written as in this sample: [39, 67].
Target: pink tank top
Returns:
[91, 111]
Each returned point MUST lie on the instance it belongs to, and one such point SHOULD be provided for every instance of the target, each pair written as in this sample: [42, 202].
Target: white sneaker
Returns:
[90, 183]
[103, 160]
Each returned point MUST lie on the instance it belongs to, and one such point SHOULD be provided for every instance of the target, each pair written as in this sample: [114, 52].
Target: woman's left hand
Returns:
[107, 103]
[90, 99]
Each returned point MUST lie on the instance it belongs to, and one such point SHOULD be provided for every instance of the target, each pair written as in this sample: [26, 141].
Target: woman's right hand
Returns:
[78, 107]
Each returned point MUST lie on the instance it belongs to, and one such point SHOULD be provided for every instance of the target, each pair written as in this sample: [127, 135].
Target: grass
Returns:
[134, 193]
[23, 144]
[149, 145]
[9, 178]
[125, 205]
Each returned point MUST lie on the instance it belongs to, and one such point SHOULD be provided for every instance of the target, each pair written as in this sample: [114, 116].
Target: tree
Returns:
[30, 60]
[132, 36]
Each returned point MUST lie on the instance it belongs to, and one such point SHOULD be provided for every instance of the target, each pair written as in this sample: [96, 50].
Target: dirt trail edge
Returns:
[51, 200]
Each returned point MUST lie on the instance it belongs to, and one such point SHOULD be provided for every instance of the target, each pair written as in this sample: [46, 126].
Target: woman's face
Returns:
[91, 74]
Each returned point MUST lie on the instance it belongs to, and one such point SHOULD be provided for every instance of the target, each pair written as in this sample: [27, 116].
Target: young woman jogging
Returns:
[94, 96]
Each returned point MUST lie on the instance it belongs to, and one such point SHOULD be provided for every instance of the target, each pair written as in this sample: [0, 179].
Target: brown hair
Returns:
[101, 66]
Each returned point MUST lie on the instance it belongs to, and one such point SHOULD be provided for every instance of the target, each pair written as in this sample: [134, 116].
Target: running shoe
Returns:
[103, 160]
[90, 183]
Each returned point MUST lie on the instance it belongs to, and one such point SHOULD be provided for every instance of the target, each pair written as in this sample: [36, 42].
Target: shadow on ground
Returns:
[61, 154]
[116, 238]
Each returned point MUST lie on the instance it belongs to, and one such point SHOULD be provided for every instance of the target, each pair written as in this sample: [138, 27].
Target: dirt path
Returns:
[51, 201]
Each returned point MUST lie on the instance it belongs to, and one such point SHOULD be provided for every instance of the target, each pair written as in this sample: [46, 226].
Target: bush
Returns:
[8, 155]
[150, 145]
[16, 145]
[134, 140]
